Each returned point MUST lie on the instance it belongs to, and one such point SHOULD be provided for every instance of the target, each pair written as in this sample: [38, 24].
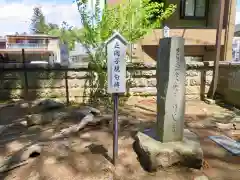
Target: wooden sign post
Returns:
[116, 68]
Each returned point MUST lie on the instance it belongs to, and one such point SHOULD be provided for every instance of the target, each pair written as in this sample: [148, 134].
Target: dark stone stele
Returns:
[171, 78]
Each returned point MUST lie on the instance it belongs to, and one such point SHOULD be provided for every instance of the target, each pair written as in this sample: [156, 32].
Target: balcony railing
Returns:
[26, 45]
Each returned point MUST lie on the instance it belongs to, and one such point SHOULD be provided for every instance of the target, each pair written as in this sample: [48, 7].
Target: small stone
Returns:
[86, 135]
[14, 146]
[30, 151]
[205, 110]
[208, 122]
[209, 101]
[75, 128]
[235, 110]
[224, 126]
[236, 119]
[79, 114]
[45, 117]
[34, 119]
[61, 148]
[154, 154]
[223, 116]
[24, 123]
[38, 119]
[92, 110]
[89, 118]
[58, 115]
[49, 104]
[236, 133]
[50, 160]
[24, 105]
[34, 175]
[236, 126]
[195, 124]
[201, 178]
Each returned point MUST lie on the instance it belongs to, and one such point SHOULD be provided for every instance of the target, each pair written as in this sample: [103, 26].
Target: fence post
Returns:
[66, 86]
[26, 93]
[25, 76]
[203, 82]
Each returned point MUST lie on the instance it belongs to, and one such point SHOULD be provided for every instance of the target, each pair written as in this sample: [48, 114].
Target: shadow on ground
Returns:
[87, 154]
[88, 144]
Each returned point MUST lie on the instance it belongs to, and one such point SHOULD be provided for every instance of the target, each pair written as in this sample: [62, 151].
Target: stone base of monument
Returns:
[153, 154]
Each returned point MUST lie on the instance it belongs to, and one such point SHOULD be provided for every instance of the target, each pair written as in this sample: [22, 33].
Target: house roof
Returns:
[33, 35]
[116, 35]
[27, 51]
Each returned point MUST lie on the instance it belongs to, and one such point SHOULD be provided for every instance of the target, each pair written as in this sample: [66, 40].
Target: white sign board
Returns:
[116, 63]
[166, 31]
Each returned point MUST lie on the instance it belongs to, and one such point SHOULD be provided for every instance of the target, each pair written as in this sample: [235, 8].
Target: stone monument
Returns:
[168, 143]
[171, 71]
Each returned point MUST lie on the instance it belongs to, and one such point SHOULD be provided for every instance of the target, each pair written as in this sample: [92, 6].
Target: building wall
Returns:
[212, 16]
[2, 45]
[175, 22]
[54, 46]
[52, 84]
[146, 50]
[229, 83]
[51, 45]
[230, 16]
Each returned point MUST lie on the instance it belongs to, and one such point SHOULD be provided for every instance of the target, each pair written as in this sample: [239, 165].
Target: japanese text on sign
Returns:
[116, 67]
[176, 86]
[116, 63]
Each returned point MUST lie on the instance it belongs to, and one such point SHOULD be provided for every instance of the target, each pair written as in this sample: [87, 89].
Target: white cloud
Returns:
[16, 16]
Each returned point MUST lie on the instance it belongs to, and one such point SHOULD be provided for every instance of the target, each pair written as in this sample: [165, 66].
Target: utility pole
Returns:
[218, 48]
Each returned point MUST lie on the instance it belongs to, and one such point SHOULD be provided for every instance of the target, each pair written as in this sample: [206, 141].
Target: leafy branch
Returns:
[132, 19]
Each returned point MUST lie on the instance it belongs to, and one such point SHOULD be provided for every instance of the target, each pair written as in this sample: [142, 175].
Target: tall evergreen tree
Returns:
[53, 26]
[38, 23]
[65, 32]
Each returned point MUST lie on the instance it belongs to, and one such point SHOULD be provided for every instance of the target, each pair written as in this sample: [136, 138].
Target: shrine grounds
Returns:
[87, 154]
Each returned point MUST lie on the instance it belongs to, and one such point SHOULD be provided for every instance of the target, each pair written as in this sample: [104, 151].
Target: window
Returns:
[193, 9]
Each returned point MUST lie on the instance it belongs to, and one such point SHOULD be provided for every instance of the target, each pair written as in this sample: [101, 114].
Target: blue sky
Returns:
[238, 10]
[15, 15]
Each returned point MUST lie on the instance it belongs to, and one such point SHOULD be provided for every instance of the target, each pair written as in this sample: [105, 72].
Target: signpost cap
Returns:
[117, 35]
[166, 27]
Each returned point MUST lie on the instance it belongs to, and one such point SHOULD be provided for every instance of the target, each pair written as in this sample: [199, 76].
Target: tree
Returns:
[52, 26]
[157, 11]
[132, 19]
[67, 34]
[38, 23]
